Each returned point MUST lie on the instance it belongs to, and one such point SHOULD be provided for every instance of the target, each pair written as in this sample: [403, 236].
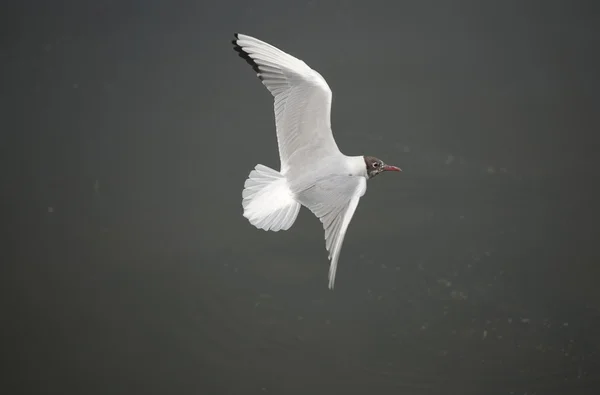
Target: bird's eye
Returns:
[375, 164]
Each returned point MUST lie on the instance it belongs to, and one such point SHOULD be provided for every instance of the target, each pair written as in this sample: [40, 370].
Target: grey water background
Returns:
[129, 127]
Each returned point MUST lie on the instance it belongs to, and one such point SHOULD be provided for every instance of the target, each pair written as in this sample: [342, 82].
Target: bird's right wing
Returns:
[334, 200]
[302, 102]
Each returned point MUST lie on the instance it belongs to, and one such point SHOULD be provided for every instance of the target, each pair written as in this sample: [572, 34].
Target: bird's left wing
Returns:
[334, 200]
[302, 102]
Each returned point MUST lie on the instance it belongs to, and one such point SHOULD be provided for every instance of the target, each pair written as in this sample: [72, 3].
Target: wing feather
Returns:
[302, 102]
[334, 200]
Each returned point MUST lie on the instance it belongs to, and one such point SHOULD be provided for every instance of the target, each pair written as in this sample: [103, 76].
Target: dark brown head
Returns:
[376, 166]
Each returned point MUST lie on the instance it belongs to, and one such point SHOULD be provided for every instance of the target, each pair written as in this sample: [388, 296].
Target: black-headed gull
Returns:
[314, 173]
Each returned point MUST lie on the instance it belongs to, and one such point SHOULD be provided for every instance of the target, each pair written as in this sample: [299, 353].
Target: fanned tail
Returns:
[267, 200]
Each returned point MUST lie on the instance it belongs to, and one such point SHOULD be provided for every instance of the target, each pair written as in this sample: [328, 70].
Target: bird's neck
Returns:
[356, 166]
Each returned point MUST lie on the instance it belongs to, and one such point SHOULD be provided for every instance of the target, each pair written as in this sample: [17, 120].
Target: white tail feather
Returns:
[267, 200]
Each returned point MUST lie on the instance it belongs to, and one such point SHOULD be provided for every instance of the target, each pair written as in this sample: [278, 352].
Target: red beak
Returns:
[391, 168]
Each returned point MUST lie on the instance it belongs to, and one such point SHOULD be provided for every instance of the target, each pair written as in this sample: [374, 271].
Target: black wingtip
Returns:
[244, 55]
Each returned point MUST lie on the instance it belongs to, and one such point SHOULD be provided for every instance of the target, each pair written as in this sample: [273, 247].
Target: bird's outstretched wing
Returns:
[334, 200]
[302, 102]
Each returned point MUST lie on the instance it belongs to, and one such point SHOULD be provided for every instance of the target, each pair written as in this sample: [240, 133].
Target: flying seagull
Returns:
[314, 173]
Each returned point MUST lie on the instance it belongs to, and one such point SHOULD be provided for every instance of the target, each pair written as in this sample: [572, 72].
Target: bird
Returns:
[313, 172]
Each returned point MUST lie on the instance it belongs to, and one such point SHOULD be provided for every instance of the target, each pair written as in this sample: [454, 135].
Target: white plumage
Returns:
[314, 173]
